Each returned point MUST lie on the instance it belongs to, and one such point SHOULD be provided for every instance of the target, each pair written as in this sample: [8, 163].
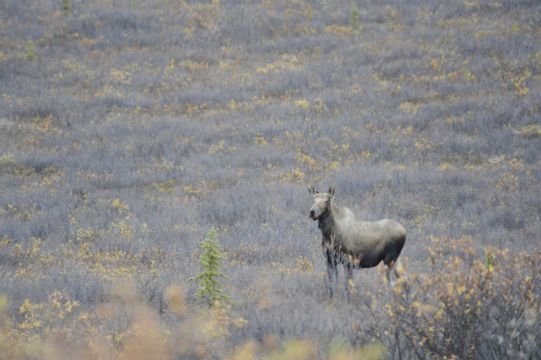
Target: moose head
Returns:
[322, 202]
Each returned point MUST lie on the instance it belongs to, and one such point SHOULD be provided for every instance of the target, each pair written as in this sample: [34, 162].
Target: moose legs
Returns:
[348, 272]
[332, 270]
[391, 268]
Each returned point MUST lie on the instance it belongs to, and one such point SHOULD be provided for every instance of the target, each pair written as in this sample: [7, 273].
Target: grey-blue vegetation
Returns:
[128, 128]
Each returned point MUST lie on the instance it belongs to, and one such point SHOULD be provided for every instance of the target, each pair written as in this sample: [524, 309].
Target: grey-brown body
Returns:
[355, 243]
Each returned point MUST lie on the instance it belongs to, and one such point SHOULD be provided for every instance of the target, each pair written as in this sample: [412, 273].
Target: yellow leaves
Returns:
[124, 228]
[191, 109]
[424, 309]
[408, 130]
[120, 77]
[35, 247]
[306, 160]
[461, 286]
[195, 66]
[260, 140]
[29, 324]
[515, 28]
[341, 30]
[239, 322]
[233, 105]
[285, 62]
[480, 34]
[410, 107]
[171, 66]
[302, 104]
[108, 91]
[40, 315]
[530, 131]
[44, 124]
[333, 165]
[422, 144]
[507, 181]
[519, 83]
[204, 16]
[25, 307]
[194, 189]
[61, 304]
[435, 64]
[7, 160]
[303, 264]
[88, 42]
[166, 186]
[72, 66]
[216, 148]
[446, 166]
[295, 175]
[84, 235]
[83, 316]
[119, 205]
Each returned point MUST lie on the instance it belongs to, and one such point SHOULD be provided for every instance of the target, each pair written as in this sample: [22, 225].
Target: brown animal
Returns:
[354, 243]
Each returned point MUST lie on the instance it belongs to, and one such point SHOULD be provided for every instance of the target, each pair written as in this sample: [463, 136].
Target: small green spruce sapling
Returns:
[210, 287]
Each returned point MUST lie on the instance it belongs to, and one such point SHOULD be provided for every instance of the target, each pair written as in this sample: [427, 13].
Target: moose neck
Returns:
[327, 221]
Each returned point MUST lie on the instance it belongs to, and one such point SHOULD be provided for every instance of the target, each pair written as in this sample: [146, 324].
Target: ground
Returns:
[129, 128]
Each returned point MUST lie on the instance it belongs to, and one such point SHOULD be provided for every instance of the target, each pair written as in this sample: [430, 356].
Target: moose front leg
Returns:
[332, 271]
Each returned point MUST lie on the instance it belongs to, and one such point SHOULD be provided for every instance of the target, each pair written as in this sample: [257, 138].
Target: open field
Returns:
[129, 128]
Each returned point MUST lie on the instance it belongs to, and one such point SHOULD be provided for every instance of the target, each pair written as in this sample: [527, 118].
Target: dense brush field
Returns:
[129, 128]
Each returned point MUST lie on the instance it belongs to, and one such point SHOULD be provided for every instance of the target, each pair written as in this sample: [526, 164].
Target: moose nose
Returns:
[312, 214]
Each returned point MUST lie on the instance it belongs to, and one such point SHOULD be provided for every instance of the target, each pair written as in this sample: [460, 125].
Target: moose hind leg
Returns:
[348, 270]
[388, 275]
[390, 271]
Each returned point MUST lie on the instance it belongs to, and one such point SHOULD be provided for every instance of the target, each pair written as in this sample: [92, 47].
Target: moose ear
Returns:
[312, 190]
[331, 192]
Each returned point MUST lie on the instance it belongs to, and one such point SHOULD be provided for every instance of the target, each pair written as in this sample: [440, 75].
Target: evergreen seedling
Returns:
[66, 6]
[210, 288]
[354, 16]
[30, 51]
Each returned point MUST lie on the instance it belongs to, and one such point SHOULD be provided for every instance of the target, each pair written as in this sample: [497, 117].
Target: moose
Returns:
[354, 243]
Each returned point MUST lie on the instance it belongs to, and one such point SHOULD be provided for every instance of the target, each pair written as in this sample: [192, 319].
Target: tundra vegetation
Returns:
[129, 128]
